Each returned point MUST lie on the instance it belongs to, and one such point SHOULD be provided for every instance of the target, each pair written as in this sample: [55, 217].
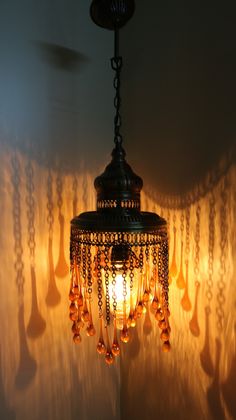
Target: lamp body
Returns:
[119, 261]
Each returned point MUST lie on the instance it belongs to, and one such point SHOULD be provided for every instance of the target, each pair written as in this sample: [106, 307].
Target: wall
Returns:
[55, 135]
[179, 127]
[56, 87]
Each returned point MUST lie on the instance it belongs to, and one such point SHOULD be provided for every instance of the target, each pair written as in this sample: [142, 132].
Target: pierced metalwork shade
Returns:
[118, 253]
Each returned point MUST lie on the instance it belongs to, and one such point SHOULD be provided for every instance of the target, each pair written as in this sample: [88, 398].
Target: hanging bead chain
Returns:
[106, 269]
[163, 268]
[223, 249]
[114, 290]
[30, 203]
[131, 269]
[89, 272]
[211, 242]
[124, 282]
[84, 249]
[19, 266]
[99, 282]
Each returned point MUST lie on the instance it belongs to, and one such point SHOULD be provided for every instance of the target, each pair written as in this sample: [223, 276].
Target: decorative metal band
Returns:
[112, 238]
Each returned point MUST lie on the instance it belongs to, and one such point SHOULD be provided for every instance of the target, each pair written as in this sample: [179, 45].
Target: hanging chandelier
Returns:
[118, 254]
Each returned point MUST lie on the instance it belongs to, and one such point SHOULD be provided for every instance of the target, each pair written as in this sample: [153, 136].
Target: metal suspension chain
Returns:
[116, 64]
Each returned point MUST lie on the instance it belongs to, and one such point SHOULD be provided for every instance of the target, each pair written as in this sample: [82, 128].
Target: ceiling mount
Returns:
[112, 14]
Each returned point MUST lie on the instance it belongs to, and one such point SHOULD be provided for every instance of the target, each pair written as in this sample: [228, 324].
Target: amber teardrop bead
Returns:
[90, 330]
[73, 307]
[165, 335]
[101, 348]
[85, 316]
[159, 315]
[162, 324]
[80, 301]
[77, 338]
[146, 296]
[115, 349]
[75, 290]
[71, 296]
[73, 316]
[109, 358]
[155, 303]
[75, 328]
[124, 336]
[166, 346]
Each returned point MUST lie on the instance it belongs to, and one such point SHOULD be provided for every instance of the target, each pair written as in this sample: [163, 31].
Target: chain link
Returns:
[89, 271]
[106, 269]
[114, 298]
[116, 64]
[99, 282]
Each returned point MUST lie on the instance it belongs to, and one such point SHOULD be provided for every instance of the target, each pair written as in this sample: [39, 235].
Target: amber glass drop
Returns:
[75, 328]
[165, 335]
[80, 300]
[115, 345]
[73, 316]
[77, 338]
[159, 314]
[73, 307]
[115, 349]
[166, 346]
[139, 309]
[101, 348]
[109, 358]
[75, 290]
[131, 322]
[85, 316]
[90, 330]
[124, 336]
[155, 303]
[71, 296]
[85, 313]
[162, 324]
[146, 296]
[152, 282]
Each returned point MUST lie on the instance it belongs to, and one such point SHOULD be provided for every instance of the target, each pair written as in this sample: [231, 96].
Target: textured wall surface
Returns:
[180, 129]
[55, 136]
[56, 91]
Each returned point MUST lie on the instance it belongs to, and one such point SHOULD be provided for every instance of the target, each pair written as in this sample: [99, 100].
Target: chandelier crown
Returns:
[118, 186]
